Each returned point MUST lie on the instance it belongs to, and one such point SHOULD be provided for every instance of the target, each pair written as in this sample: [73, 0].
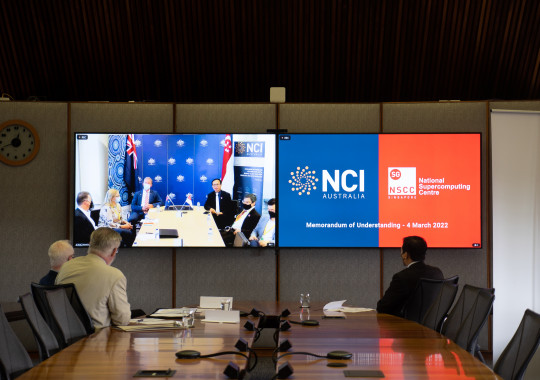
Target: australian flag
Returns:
[130, 166]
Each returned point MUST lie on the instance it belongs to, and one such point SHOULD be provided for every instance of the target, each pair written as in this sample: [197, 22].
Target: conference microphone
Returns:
[307, 322]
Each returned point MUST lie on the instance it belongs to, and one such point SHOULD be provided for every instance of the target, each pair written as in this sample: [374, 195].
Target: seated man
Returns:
[220, 205]
[413, 253]
[59, 252]
[84, 225]
[245, 221]
[264, 233]
[143, 201]
[101, 287]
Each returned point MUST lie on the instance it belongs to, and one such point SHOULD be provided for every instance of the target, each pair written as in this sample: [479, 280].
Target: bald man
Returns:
[59, 252]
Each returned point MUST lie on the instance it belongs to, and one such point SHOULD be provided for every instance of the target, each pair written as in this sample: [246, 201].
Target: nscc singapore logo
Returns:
[401, 181]
[303, 180]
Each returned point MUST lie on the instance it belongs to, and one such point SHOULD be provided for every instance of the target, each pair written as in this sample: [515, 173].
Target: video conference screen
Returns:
[371, 190]
[332, 190]
[111, 171]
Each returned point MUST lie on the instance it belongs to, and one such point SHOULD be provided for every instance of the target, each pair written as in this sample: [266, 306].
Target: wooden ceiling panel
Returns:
[234, 50]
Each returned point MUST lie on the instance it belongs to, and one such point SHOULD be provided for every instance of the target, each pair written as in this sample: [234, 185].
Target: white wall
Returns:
[92, 169]
[516, 220]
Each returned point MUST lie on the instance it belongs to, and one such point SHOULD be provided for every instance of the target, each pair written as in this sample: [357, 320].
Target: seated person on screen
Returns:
[110, 215]
[244, 221]
[143, 201]
[413, 253]
[101, 287]
[59, 252]
[83, 225]
[220, 205]
[264, 233]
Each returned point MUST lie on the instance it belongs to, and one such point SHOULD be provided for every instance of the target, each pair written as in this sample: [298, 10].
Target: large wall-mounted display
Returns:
[112, 169]
[371, 190]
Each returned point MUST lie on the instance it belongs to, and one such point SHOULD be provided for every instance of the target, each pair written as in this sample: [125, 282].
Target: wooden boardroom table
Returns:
[192, 225]
[399, 348]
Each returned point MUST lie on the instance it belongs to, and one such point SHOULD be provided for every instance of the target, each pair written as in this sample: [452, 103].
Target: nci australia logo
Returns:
[346, 184]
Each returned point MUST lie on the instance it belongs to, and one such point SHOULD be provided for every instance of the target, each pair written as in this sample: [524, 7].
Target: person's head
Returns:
[59, 252]
[105, 242]
[216, 185]
[112, 197]
[249, 201]
[413, 249]
[272, 208]
[84, 200]
[147, 183]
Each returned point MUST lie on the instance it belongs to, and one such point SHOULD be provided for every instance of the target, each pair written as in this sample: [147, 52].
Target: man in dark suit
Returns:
[413, 253]
[143, 201]
[245, 221]
[59, 252]
[83, 225]
[220, 205]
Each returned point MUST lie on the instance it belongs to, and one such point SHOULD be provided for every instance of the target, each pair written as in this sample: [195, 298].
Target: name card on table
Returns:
[213, 302]
[223, 316]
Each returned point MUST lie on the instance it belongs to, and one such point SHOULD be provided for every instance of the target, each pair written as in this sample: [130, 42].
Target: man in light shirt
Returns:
[83, 225]
[264, 233]
[101, 287]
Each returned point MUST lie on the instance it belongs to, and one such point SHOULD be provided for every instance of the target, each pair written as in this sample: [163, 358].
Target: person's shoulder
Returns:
[435, 270]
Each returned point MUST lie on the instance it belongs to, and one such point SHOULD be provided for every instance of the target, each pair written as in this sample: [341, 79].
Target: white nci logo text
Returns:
[401, 181]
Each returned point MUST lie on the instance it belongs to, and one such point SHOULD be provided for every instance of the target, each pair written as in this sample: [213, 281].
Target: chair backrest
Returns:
[515, 358]
[46, 341]
[438, 311]
[424, 295]
[94, 214]
[461, 309]
[14, 360]
[38, 292]
[65, 317]
[74, 300]
[467, 334]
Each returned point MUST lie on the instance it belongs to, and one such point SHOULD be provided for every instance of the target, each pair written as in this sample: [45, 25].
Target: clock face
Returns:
[19, 142]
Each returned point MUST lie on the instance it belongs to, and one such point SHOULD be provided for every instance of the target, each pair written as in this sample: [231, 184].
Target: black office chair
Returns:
[14, 360]
[46, 341]
[438, 311]
[515, 358]
[65, 317]
[74, 300]
[425, 294]
[94, 214]
[468, 316]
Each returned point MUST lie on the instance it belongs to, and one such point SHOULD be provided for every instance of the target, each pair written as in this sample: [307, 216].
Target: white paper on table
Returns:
[334, 305]
[348, 309]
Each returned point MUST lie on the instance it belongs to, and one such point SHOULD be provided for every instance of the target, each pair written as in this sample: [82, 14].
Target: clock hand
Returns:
[7, 145]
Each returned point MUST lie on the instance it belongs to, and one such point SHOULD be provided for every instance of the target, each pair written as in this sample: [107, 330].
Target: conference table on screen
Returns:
[194, 227]
[399, 348]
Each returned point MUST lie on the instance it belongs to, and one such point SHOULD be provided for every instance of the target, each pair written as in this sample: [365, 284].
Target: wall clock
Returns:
[19, 142]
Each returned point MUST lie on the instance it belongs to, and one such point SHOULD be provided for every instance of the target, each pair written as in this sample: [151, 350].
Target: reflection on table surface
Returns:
[194, 227]
[401, 349]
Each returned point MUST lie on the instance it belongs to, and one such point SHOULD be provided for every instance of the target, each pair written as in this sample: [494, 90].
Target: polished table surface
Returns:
[399, 348]
[192, 225]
